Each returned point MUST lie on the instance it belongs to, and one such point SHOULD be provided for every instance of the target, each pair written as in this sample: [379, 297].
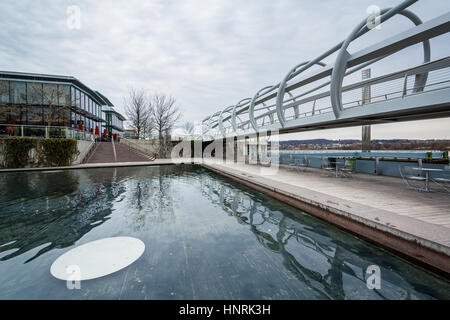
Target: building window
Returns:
[65, 117]
[35, 115]
[18, 92]
[50, 93]
[4, 91]
[73, 96]
[15, 115]
[64, 95]
[34, 93]
[82, 101]
[78, 98]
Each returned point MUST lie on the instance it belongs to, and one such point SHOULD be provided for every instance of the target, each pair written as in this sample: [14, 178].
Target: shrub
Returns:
[56, 152]
[15, 151]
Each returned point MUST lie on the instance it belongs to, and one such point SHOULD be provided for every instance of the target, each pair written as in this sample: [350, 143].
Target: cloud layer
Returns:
[207, 54]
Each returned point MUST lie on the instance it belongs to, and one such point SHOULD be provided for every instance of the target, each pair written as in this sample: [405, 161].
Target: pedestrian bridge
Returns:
[320, 100]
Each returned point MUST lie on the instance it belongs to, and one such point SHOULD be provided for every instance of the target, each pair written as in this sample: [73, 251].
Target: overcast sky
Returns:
[207, 54]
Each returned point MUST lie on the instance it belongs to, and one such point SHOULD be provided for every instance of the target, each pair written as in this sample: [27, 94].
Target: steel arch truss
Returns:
[427, 85]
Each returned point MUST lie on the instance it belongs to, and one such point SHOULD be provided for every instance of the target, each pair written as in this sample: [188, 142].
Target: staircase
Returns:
[107, 152]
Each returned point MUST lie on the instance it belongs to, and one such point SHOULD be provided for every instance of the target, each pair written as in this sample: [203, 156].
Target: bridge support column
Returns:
[365, 139]
[258, 147]
[235, 148]
[366, 129]
[225, 150]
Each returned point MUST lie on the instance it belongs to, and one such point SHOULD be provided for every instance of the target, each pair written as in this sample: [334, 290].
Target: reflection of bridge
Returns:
[320, 100]
[313, 253]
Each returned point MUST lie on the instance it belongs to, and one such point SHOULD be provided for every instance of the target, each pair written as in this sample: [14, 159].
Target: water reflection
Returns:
[330, 262]
[56, 209]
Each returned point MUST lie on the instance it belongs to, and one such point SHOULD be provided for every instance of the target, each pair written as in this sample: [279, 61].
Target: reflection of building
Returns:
[31, 102]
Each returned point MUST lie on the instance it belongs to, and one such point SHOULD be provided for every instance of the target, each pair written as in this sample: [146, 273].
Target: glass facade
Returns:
[43, 103]
[4, 91]
[113, 122]
[18, 92]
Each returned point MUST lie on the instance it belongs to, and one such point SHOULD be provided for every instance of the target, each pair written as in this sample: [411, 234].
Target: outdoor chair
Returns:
[442, 180]
[292, 162]
[325, 165]
[301, 164]
[413, 177]
[348, 168]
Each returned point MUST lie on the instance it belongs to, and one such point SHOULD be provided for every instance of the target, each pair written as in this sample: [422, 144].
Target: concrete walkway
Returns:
[378, 208]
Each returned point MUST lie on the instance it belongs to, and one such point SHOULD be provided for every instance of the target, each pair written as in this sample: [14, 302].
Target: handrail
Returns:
[422, 32]
[427, 67]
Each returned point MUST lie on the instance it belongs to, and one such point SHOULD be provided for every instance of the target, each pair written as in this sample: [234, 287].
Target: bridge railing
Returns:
[275, 106]
[383, 88]
[38, 131]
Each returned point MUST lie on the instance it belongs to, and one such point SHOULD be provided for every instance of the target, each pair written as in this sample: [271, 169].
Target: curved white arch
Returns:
[340, 66]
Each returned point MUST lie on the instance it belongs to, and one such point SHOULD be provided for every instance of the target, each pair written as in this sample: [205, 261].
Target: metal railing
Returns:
[148, 147]
[270, 106]
[37, 131]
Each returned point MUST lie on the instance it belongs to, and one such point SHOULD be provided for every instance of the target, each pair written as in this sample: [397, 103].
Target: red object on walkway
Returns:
[10, 129]
[97, 131]
[80, 126]
[104, 133]
[91, 130]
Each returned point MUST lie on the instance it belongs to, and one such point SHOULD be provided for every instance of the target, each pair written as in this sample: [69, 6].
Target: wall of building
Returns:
[34, 104]
[83, 147]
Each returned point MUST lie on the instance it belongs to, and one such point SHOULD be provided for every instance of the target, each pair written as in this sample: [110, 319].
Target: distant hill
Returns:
[352, 141]
[318, 141]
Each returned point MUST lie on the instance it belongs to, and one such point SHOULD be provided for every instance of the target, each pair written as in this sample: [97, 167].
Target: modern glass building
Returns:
[49, 105]
[112, 120]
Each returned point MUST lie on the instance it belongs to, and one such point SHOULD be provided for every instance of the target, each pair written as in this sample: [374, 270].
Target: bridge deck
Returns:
[379, 202]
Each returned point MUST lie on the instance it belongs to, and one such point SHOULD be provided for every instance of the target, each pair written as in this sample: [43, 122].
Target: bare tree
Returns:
[57, 108]
[164, 115]
[136, 108]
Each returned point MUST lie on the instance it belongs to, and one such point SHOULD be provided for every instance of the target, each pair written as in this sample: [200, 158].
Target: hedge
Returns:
[17, 152]
[56, 152]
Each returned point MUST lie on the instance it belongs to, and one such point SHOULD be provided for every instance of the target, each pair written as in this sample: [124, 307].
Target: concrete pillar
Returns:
[366, 129]
[257, 148]
[235, 147]
[224, 146]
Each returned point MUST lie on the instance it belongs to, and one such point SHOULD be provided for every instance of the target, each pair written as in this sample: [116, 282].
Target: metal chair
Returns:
[325, 165]
[442, 180]
[292, 161]
[348, 168]
[413, 178]
[302, 164]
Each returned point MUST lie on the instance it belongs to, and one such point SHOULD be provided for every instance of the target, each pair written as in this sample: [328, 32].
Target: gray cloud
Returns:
[208, 54]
